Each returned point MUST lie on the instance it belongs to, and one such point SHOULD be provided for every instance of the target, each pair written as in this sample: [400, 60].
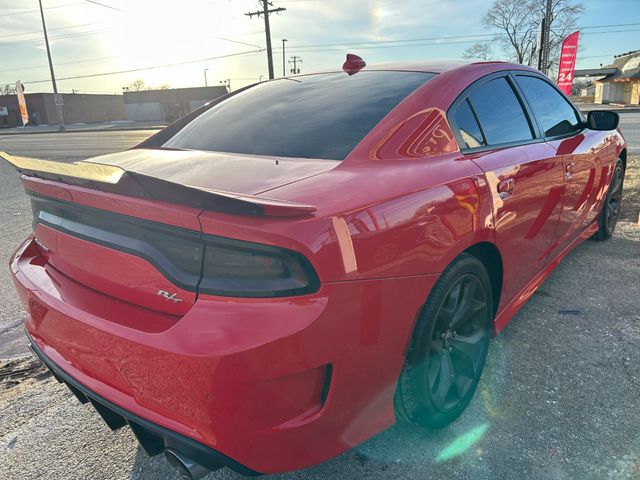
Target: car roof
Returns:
[433, 66]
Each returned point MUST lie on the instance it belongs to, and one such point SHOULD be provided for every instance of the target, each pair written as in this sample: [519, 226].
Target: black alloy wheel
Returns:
[458, 343]
[449, 346]
[611, 208]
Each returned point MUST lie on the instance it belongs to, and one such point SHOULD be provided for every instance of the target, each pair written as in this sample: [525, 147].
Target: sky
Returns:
[111, 43]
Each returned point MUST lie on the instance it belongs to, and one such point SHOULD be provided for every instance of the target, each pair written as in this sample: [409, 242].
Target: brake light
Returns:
[245, 269]
[194, 262]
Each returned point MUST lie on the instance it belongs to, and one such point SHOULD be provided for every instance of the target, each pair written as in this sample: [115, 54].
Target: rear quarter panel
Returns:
[398, 217]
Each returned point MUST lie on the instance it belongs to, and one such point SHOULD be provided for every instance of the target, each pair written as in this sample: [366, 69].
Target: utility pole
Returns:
[284, 73]
[266, 11]
[546, 27]
[295, 60]
[57, 98]
[205, 77]
[538, 49]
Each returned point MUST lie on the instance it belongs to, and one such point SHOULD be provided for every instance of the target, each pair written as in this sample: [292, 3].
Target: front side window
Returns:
[500, 114]
[315, 116]
[555, 115]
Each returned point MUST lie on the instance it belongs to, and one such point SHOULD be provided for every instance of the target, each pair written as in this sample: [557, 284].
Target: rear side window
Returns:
[500, 113]
[554, 114]
[467, 126]
[315, 116]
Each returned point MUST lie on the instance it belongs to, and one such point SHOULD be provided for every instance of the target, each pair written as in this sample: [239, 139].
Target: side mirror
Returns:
[602, 120]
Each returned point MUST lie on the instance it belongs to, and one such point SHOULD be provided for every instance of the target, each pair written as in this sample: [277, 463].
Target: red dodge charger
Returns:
[286, 271]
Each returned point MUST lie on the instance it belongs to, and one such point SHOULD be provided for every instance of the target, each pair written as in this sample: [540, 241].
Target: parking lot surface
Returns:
[558, 399]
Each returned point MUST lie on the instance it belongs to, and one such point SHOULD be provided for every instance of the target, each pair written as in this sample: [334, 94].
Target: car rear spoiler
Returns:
[115, 179]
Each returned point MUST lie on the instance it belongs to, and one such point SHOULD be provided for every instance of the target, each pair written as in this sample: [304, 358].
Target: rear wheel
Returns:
[449, 346]
[608, 216]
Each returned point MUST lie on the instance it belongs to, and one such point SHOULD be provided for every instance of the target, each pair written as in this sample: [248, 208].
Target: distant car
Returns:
[280, 275]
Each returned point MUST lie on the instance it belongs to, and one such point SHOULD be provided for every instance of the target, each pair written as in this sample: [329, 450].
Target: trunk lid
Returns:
[141, 252]
[226, 172]
[126, 224]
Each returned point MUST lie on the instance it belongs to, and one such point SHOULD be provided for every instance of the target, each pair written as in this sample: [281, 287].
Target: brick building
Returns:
[78, 108]
[168, 104]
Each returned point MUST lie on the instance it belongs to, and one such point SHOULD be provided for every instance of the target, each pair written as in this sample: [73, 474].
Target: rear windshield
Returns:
[315, 116]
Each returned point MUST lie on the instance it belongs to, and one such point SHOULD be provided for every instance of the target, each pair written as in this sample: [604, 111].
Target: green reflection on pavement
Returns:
[462, 443]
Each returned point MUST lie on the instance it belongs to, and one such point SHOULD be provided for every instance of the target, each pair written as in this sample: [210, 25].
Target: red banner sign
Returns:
[568, 62]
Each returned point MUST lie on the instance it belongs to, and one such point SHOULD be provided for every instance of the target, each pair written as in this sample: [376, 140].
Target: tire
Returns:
[608, 216]
[451, 336]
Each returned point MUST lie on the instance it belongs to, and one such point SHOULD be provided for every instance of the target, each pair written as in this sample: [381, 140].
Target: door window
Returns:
[501, 116]
[555, 115]
[467, 126]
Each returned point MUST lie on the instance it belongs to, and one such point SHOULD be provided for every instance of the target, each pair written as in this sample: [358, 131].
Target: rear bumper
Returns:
[261, 385]
[153, 438]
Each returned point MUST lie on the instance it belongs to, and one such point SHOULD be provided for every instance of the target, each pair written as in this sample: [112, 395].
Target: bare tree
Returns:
[7, 89]
[580, 84]
[137, 85]
[479, 51]
[518, 22]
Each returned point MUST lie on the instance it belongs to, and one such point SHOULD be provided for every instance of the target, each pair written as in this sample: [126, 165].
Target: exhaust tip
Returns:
[185, 465]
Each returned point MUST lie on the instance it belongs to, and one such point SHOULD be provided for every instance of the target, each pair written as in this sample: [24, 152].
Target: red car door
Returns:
[562, 127]
[524, 173]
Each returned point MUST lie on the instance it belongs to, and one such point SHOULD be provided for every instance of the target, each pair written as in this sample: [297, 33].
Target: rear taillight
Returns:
[245, 269]
[190, 260]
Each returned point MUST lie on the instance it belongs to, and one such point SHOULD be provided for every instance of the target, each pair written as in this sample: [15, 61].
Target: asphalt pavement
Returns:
[630, 127]
[558, 399]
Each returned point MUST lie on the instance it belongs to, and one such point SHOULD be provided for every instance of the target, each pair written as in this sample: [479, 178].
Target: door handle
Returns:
[568, 169]
[505, 188]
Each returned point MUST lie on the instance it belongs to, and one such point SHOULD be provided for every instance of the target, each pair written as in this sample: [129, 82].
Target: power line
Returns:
[34, 67]
[610, 25]
[236, 41]
[265, 12]
[375, 42]
[67, 35]
[103, 5]
[488, 36]
[33, 32]
[34, 10]
[612, 31]
[479, 35]
[153, 67]
[367, 46]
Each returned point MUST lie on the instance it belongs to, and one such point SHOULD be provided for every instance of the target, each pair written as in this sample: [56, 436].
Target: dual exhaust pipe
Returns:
[185, 465]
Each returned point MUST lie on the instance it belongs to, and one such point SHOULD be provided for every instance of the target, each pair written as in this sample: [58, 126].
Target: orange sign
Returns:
[22, 104]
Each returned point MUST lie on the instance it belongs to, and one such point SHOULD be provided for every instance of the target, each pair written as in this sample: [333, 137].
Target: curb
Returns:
[616, 110]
